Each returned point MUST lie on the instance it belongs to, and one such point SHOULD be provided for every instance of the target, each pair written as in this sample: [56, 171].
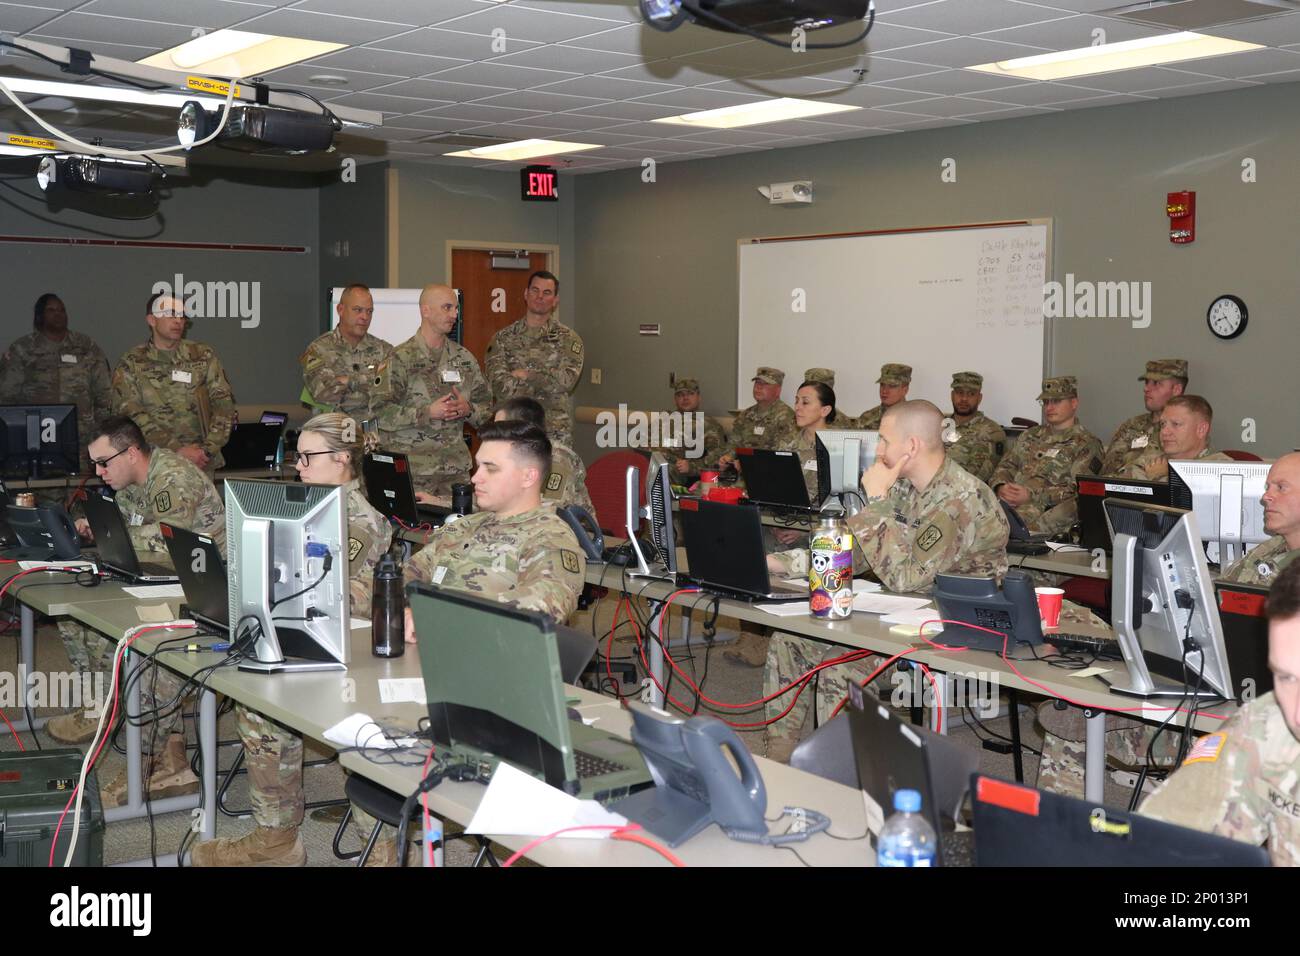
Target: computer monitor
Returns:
[287, 550]
[775, 478]
[659, 498]
[1093, 490]
[642, 565]
[1224, 496]
[849, 452]
[1162, 601]
[39, 441]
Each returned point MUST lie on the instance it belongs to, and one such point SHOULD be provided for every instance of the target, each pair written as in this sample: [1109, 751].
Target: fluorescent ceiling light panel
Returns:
[523, 149]
[237, 53]
[107, 94]
[751, 114]
[1110, 57]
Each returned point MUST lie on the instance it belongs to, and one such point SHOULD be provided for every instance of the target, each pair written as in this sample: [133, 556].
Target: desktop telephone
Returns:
[590, 538]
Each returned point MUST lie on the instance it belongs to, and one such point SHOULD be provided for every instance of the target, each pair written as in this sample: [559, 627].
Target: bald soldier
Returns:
[1281, 500]
[768, 423]
[1243, 780]
[1036, 477]
[436, 388]
[924, 515]
[894, 381]
[1185, 424]
[346, 369]
[175, 390]
[975, 441]
[538, 357]
[1164, 379]
[683, 459]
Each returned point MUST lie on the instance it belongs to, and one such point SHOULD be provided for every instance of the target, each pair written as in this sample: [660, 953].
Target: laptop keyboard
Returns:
[589, 765]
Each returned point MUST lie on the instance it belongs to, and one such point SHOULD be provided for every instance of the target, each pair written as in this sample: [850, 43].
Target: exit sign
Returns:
[539, 184]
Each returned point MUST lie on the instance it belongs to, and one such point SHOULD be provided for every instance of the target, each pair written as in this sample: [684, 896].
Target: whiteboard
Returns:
[941, 301]
[397, 313]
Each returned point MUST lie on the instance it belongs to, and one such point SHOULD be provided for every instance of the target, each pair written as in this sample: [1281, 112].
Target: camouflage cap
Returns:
[895, 375]
[823, 375]
[1160, 369]
[1063, 386]
[769, 376]
[967, 381]
[686, 385]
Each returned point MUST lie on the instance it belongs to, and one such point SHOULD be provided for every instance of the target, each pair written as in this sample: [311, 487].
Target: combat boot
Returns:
[265, 846]
[385, 853]
[750, 649]
[171, 776]
[73, 728]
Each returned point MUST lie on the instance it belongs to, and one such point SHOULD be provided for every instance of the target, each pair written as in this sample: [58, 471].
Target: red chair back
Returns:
[606, 483]
[1242, 455]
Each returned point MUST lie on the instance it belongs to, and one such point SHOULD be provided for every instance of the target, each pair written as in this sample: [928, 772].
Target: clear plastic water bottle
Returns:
[906, 839]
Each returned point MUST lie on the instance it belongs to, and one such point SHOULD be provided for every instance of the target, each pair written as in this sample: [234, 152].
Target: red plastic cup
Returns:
[708, 476]
[1049, 605]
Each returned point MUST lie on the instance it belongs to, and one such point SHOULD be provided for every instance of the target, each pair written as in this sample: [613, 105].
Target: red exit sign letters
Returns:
[539, 184]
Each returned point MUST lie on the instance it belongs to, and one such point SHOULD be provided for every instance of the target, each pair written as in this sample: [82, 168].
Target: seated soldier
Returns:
[1185, 424]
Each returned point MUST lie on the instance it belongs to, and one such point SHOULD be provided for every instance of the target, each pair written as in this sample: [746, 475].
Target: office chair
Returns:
[606, 483]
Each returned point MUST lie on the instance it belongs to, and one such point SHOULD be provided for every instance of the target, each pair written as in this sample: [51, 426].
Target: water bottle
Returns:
[462, 498]
[387, 610]
[830, 570]
[906, 839]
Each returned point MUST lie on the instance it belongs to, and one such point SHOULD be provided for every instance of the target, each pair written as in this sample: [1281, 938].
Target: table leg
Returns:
[27, 667]
[208, 750]
[656, 659]
[1017, 754]
[1094, 767]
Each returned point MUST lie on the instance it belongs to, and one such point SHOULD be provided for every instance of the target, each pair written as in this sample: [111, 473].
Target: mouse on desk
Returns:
[573, 714]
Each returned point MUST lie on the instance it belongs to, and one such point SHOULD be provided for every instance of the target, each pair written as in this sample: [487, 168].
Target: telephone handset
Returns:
[44, 529]
[590, 538]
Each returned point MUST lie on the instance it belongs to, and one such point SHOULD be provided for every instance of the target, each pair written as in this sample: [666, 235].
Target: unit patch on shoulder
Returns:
[162, 502]
[355, 547]
[928, 538]
[554, 481]
[570, 561]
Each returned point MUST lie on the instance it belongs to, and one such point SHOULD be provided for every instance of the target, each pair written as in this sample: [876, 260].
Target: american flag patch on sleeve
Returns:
[1207, 749]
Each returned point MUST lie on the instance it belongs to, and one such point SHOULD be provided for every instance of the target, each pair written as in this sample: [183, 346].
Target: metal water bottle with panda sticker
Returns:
[830, 570]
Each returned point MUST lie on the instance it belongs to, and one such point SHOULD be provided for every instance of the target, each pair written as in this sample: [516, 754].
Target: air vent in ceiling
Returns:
[463, 140]
[1196, 15]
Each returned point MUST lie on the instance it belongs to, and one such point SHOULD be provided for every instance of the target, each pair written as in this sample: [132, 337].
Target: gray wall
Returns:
[666, 251]
[106, 288]
[355, 213]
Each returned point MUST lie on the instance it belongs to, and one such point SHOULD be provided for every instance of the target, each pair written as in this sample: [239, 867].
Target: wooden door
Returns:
[472, 273]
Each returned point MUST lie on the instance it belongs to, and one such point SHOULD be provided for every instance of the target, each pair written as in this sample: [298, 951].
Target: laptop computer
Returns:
[775, 479]
[493, 684]
[392, 493]
[1020, 826]
[202, 571]
[252, 445]
[1092, 491]
[114, 543]
[1245, 636]
[893, 755]
[724, 551]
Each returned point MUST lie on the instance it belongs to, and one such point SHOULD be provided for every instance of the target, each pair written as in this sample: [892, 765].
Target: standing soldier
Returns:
[976, 442]
[539, 358]
[346, 369]
[175, 389]
[56, 366]
[768, 423]
[1164, 379]
[894, 382]
[436, 387]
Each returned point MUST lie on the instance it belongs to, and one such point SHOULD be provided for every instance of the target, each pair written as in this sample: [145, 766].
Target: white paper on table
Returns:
[396, 690]
[886, 603]
[915, 618]
[519, 804]
[154, 613]
[358, 623]
[860, 586]
[1089, 672]
[1064, 545]
[795, 582]
[156, 591]
[81, 565]
[784, 609]
[358, 730]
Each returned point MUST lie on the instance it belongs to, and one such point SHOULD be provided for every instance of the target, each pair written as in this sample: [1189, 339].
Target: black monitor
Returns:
[659, 494]
[1245, 637]
[39, 441]
[1092, 491]
[775, 479]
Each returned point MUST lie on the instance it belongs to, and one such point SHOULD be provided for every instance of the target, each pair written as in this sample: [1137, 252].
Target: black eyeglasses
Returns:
[306, 456]
[103, 462]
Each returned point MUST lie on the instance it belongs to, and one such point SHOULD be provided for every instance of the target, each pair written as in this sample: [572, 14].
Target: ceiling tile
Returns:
[966, 51]
[1271, 31]
[1247, 64]
[970, 16]
[1040, 94]
[952, 83]
[755, 57]
[1112, 99]
[435, 42]
[650, 44]
[1212, 86]
[1075, 32]
[603, 9]
[211, 14]
[1009, 113]
[139, 33]
[933, 123]
[949, 106]
[418, 13]
[866, 95]
[322, 26]
[628, 111]
[1288, 76]
[487, 114]
[389, 62]
[774, 85]
[609, 137]
[603, 87]
[698, 99]
[439, 89]
[555, 57]
[576, 122]
[496, 75]
[431, 124]
[653, 131]
[676, 72]
[885, 36]
[1136, 81]
[731, 137]
[20, 19]
[301, 75]
[384, 102]
[537, 26]
[535, 100]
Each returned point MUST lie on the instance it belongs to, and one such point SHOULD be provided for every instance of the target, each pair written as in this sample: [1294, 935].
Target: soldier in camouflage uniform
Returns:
[538, 357]
[436, 388]
[151, 485]
[975, 442]
[1036, 477]
[768, 423]
[686, 396]
[814, 410]
[894, 381]
[175, 389]
[824, 375]
[1281, 500]
[55, 365]
[346, 369]
[329, 453]
[1243, 780]
[566, 483]
[924, 515]
[1164, 379]
[1185, 424]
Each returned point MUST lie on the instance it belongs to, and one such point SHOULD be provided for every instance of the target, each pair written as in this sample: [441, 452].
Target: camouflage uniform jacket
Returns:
[567, 483]
[369, 536]
[420, 376]
[1046, 462]
[553, 354]
[868, 420]
[73, 372]
[530, 560]
[807, 449]
[772, 427]
[177, 397]
[1131, 438]
[365, 366]
[1242, 781]
[715, 443]
[1152, 464]
[1262, 564]
[978, 445]
[174, 491]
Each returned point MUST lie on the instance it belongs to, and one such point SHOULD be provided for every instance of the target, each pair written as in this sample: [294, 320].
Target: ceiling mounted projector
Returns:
[266, 130]
[94, 174]
[754, 16]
